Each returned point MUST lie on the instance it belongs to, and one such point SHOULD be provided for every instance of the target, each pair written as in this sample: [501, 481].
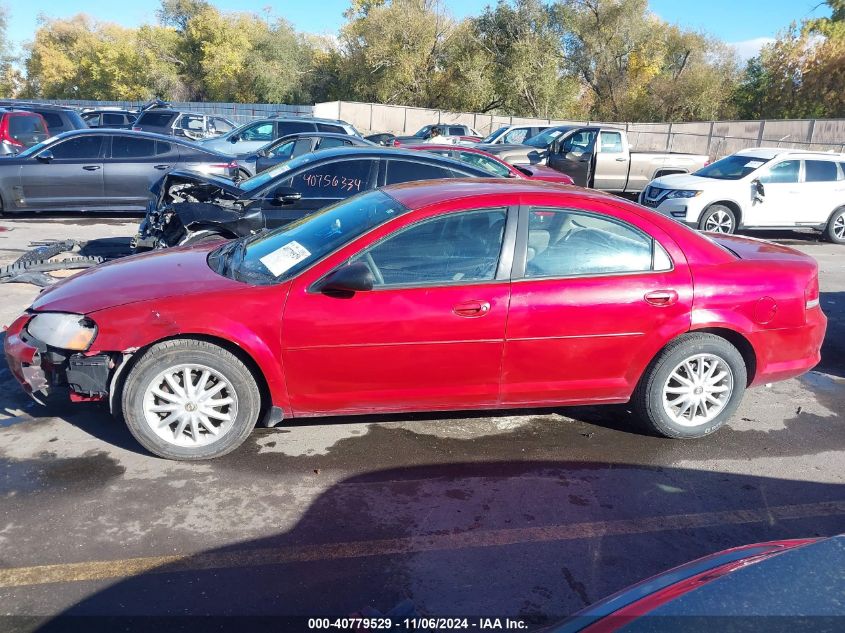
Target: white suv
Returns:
[757, 188]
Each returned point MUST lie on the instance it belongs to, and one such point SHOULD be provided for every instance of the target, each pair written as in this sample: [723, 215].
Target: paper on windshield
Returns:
[284, 258]
[754, 164]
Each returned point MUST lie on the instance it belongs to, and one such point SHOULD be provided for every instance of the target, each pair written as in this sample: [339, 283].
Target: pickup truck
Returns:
[599, 157]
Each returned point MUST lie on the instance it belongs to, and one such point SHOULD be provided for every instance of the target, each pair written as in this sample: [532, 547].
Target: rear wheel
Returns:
[188, 399]
[835, 230]
[718, 219]
[693, 386]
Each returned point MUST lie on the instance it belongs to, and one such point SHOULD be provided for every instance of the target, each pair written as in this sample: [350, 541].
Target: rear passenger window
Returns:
[820, 171]
[611, 142]
[132, 147]
[453, 249]
[292, 127]
[516, 136]
[80, 148]
[406, 171]
[53, 120]
[564, 243]
[326, 127]
[163, 148]
[111, 118]
[328, 143]
[153, 119]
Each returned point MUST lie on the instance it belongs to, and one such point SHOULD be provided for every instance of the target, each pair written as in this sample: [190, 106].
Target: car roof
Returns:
[422, 193]
[773, 152]
[377, 151]
[28, 105]
[104, 131]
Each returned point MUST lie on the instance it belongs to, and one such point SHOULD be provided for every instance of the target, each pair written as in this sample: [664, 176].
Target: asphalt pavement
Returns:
[526, 514]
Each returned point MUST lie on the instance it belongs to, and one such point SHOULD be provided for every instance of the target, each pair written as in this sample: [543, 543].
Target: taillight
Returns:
[232, 165]
[811, 293]
[135, 128]
[4, 133]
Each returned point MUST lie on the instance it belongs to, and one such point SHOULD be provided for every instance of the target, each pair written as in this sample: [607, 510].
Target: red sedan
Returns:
[435, 295]
[496, 165]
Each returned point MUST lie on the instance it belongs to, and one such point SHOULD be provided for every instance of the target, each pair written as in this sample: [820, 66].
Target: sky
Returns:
[747, 24]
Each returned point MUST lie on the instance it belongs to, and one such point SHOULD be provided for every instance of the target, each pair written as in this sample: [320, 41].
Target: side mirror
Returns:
[234, 138]
[356, 277]
[586, 157]
[759, 190]
[285, 195]
[46, 156]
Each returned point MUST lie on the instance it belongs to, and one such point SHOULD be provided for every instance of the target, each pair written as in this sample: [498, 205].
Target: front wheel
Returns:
[693, 386]
[188, 399]
[718, 219]
[835, 230]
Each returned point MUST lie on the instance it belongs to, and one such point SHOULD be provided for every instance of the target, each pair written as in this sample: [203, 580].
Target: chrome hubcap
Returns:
[719, 222]
[839, 227]
[697, 390]
[190, 405]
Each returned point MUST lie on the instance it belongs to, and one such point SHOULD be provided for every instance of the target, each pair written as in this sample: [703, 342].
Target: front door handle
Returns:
[662, 298]
[90, 167]
[621, 159]
[162, 167]
[472, 308]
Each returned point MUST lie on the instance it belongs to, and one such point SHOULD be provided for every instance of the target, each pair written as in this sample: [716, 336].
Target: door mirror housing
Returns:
[46, 156]
[285, 195]
[759, 190]
[234, 138]
[355, 277]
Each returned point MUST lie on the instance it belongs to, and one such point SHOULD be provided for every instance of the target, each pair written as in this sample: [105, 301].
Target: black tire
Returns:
[718, 215]
[835, 229]
[202, 237]
[647, 400]
[174, 353]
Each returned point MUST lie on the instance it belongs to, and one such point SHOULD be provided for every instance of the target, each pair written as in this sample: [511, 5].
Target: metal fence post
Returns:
[760, 133]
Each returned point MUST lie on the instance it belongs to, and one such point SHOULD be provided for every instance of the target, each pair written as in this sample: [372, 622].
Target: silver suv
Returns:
[252, 136]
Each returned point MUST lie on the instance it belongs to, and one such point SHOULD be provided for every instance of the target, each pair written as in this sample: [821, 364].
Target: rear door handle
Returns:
[621, 159]
[662, 297]
[162, 167]
[472, 308]
[90, 167]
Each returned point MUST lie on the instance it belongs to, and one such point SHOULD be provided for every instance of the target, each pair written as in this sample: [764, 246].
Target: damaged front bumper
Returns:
[44, 371]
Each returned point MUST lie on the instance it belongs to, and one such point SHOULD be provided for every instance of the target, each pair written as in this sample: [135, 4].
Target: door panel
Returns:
[783, 191]
[587, 337]
[132, 169]
[612, 161]
[73, 180]
[429, 335]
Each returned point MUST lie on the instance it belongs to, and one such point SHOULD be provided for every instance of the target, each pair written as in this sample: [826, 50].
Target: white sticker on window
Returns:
[284, 258]
[754, 164]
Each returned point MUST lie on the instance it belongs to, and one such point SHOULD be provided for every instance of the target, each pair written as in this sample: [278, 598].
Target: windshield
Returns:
[423, 130]
[732, 167]
[492, 137]
[544, 139]
[277, 255]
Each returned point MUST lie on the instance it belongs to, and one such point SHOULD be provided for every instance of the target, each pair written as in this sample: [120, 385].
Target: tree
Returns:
[10, 78]
[527, 73]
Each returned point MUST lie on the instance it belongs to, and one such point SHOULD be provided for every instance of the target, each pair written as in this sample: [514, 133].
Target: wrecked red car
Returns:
[435, 295]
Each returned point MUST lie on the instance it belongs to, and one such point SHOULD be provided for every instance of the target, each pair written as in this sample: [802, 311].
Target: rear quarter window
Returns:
[53, 120]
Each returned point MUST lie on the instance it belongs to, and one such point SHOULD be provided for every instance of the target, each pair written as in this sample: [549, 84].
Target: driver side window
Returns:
[783, 172]
[579, 143]
[258, 132]
[457, 248]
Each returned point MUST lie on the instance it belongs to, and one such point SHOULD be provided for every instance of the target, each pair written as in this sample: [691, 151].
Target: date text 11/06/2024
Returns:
[417, 624]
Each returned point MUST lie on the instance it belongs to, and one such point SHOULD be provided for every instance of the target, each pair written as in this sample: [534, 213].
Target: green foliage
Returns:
[801, 74]
[554, 59]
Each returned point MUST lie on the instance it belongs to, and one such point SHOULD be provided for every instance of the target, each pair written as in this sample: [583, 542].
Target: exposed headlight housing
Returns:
[65, 331]
[683, 193]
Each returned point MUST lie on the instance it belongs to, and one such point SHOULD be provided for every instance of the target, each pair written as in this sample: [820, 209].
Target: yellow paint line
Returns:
[123, 568]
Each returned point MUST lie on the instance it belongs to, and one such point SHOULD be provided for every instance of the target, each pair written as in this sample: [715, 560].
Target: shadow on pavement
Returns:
[536, 540]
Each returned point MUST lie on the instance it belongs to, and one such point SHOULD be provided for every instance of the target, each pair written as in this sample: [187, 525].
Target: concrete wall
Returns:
[714, 138]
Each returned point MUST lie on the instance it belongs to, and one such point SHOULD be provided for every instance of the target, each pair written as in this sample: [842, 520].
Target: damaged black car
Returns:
[191, 208]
